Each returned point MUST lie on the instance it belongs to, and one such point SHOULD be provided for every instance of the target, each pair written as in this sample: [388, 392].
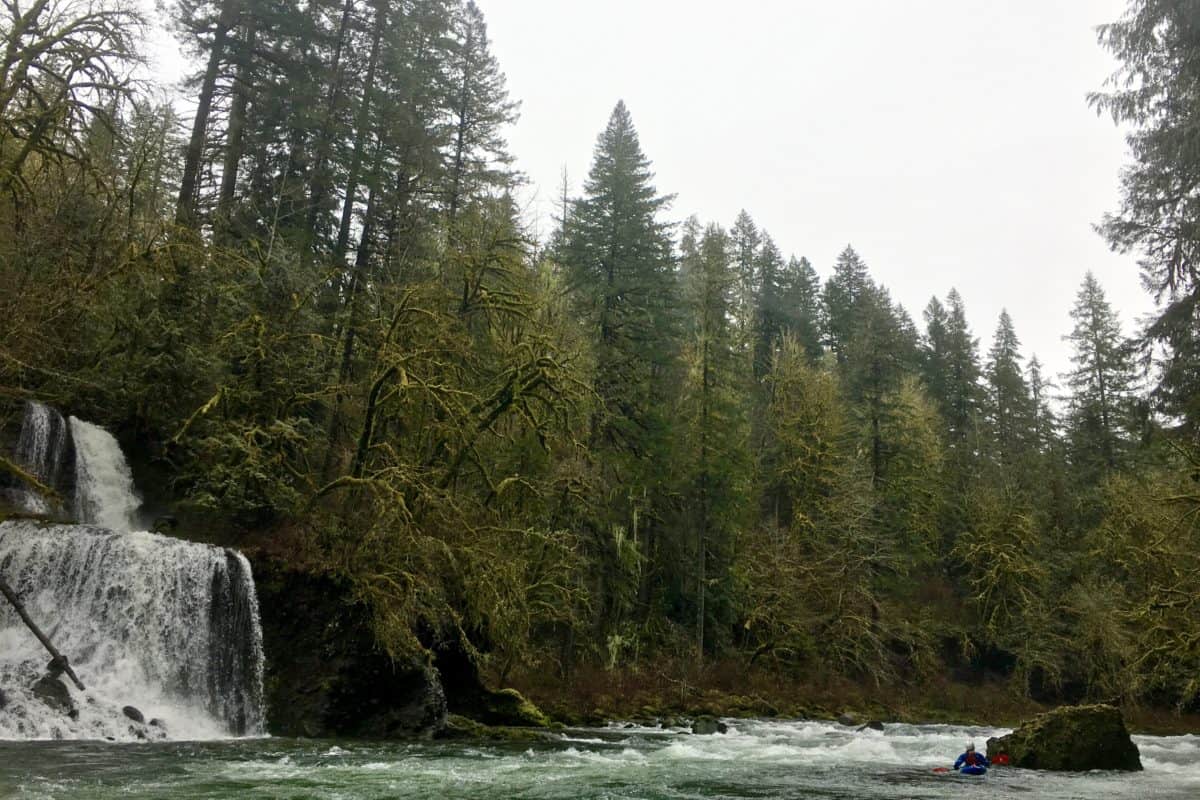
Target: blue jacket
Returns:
[980, 760]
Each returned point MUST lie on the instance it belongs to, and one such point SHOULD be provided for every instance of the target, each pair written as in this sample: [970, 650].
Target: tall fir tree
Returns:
[1154, 93]
[802, 305]
[619, 263]
[1101, 383]
[1009, 409]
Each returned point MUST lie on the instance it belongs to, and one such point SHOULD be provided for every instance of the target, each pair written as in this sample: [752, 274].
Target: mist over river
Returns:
[755, 759]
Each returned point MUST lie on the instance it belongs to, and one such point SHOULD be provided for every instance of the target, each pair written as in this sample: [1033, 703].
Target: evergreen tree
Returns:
[746, 241]
[962, 394]
[845, 289]
[802, 305]
[1101, 383]
[619, 264]
[1155, 92]
[477, 157]
[714, 429]
[769, 311]
[1009, 409]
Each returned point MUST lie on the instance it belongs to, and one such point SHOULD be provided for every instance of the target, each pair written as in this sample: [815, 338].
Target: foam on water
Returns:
[104, 492]
[167, 626]
[758, 758]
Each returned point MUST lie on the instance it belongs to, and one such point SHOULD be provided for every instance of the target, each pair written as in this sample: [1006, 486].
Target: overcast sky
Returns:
[948, 140]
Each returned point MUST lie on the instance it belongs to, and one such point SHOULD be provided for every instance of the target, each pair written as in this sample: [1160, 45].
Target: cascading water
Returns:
[42, 451]
[104, 493]
[167, 626]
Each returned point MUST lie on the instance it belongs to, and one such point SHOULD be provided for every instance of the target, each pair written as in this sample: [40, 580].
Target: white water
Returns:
[167, 626]
[755, 759]
[104, 493]
[41, 450]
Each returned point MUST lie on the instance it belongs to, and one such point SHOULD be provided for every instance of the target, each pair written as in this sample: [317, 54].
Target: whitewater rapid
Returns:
[755, 759]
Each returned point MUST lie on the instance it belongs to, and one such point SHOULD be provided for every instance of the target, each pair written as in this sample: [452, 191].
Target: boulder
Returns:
[55, 694]
[133, 714]
[848, 718]
[3, 700]
[1070, 739]
[706, 726]
[467, 695]
[873, 725]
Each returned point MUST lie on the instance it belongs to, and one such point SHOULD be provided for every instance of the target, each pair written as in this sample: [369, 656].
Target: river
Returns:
[755, 759]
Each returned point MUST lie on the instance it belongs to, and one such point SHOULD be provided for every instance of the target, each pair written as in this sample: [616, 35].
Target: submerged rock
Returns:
[54, 693]
[873, 725]
[706, 726]
[1070, 739]
[3, 699]
[133, 714]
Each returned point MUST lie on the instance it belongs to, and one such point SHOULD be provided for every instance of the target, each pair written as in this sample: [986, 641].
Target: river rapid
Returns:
[755, 759]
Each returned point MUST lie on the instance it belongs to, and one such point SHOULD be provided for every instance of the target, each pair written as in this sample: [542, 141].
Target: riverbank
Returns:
[595, 696]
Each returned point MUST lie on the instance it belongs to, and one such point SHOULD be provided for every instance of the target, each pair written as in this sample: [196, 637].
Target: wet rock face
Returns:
[325, 675]
[1070, 739]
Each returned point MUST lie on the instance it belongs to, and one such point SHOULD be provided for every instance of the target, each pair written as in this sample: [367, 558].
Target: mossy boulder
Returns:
[459, 727]
[1070, 739]
[509, 707]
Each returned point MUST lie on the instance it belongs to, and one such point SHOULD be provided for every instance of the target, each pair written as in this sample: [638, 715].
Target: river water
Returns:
[756, 759]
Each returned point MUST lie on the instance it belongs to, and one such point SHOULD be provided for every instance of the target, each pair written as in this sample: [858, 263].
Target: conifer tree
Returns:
[478, 156]
[1101, 383]
[618, 261]
[746, 240]
[845, 289]
[1154, 92]
[714, 429]
[769, 312]
[1009, 408]
[802, 305]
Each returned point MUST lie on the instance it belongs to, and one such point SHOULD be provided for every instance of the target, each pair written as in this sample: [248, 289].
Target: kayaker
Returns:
[971, 759]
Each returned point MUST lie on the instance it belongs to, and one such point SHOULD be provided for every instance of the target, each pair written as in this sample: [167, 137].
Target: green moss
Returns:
[459, 727]
[510, 708]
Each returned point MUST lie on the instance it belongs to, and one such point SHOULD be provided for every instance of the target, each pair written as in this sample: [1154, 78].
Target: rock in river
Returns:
[55, 694]
[1070, 739]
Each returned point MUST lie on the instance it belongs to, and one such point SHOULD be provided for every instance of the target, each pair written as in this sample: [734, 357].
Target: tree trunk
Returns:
[361, 126]
[58, 657]
[237, 124]
[185, 210]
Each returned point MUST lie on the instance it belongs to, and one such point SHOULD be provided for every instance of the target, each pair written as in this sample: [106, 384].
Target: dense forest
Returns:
[315, 307]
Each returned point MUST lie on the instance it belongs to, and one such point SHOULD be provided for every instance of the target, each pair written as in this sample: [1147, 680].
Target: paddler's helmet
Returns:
[970, 747]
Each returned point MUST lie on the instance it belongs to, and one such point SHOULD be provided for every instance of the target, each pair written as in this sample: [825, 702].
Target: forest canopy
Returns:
[315, 307]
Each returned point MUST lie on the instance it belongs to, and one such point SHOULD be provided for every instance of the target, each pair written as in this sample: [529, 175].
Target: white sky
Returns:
[948, 140]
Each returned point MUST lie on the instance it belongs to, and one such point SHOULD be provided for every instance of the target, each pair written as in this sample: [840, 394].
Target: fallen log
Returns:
[57, 658]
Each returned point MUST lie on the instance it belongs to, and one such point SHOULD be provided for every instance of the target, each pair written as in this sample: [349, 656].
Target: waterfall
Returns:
[42, 451]
[104, 493]
[168, 626]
